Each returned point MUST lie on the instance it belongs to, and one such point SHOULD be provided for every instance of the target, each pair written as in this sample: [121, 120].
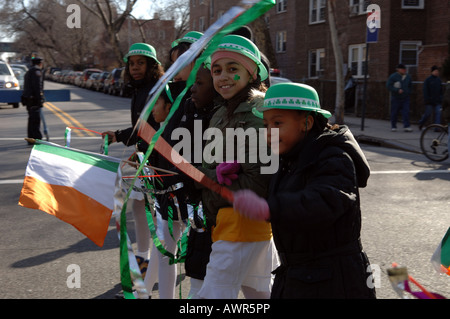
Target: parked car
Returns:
[277, 79]
[20, 75]
[49, 75]
[86, 74]
[21, 66]
[91, 81]
[61, 75]
[8, 80]
[112, 82]
[77, 79]
[125, 89]
[99, 84]
[56, 75]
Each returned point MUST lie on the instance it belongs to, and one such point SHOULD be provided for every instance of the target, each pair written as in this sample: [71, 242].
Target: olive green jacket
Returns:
[250, 176]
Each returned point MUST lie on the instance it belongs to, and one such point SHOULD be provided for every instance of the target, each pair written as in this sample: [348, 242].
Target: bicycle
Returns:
[434, 142]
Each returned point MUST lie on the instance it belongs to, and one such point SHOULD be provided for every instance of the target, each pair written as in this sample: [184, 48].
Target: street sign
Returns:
[373, 23]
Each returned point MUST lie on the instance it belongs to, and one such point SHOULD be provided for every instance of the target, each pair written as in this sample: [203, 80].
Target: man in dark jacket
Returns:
[33, 98]
[446, 110]
[432, 96]
[399, 85]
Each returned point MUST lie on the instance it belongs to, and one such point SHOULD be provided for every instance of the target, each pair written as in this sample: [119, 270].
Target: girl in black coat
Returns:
[313, 203]
[142, 72]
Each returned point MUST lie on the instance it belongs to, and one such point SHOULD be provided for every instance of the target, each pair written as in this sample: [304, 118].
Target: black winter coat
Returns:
[316, 219]
[138, 101]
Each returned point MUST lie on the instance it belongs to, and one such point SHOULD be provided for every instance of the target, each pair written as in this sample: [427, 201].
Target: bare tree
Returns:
[339, 62]
[177, 10]
[107, 12]
[41, 27]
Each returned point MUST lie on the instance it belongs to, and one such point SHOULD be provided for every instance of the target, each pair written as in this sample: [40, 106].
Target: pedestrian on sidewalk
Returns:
[446, 110]
[432, 96]
[399, 85]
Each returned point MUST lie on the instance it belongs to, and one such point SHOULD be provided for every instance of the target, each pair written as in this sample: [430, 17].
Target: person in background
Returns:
[33, 98]
[399, 85]
[432, 96]
[446, 111]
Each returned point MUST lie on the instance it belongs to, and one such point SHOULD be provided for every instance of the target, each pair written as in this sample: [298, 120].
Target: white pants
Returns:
[167, 273]
[239, 265]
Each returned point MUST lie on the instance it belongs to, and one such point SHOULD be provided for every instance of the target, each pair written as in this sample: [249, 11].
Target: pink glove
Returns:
[227, 172]
[250, 205]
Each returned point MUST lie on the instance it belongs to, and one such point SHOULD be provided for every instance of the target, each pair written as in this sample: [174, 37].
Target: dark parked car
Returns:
[112, 82]
[99, 84]
[125, 89]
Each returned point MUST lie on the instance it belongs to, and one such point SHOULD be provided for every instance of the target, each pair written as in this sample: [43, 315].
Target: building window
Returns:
[201, 24]
[211, 9]
[317, 11]
[413, 4]
[281, 39]
[316, 62]
[281, 6]
[357, 59]
[358, 7]
[409, 53]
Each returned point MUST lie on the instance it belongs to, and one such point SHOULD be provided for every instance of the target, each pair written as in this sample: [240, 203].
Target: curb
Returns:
[370, 140]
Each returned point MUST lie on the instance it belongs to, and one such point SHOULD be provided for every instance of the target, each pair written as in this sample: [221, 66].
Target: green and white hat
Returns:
[141, 49]
[291, 96]
[242, 45]
[189, 37]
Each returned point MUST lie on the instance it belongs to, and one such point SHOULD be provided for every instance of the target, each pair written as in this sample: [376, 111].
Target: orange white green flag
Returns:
[75, 186]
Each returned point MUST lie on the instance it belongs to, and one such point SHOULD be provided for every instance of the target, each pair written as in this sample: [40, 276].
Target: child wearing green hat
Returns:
[142, 72]
[313, 203]
[243, 254]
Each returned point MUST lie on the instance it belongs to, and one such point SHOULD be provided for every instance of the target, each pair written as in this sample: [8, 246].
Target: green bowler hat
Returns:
[141, 49]
[190, 37]
[291, 96]
[241, 45]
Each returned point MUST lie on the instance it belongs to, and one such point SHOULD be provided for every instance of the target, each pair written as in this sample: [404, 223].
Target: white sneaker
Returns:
[408, 129]
[393, 129]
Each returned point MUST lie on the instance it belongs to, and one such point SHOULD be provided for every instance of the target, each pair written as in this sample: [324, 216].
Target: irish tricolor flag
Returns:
[73, 185]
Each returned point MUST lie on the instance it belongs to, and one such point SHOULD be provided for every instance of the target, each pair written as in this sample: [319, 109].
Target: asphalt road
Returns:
[404, 209]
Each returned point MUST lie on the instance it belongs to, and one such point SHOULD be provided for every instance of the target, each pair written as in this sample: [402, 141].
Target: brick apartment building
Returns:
[413, 32]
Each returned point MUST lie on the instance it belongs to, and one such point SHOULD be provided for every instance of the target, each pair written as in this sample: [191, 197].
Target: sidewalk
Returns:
[378, 132]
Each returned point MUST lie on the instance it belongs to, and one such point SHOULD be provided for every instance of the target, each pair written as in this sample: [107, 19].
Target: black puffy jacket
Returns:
[139, 99]
[316, 219]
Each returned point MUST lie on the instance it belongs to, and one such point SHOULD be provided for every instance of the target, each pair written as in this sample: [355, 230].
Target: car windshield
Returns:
[4, 70]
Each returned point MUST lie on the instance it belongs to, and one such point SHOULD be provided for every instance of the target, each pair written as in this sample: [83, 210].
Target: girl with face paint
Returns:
[243, 254]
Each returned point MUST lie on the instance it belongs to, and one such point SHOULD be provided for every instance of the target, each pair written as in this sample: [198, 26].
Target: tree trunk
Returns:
[337, 50]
